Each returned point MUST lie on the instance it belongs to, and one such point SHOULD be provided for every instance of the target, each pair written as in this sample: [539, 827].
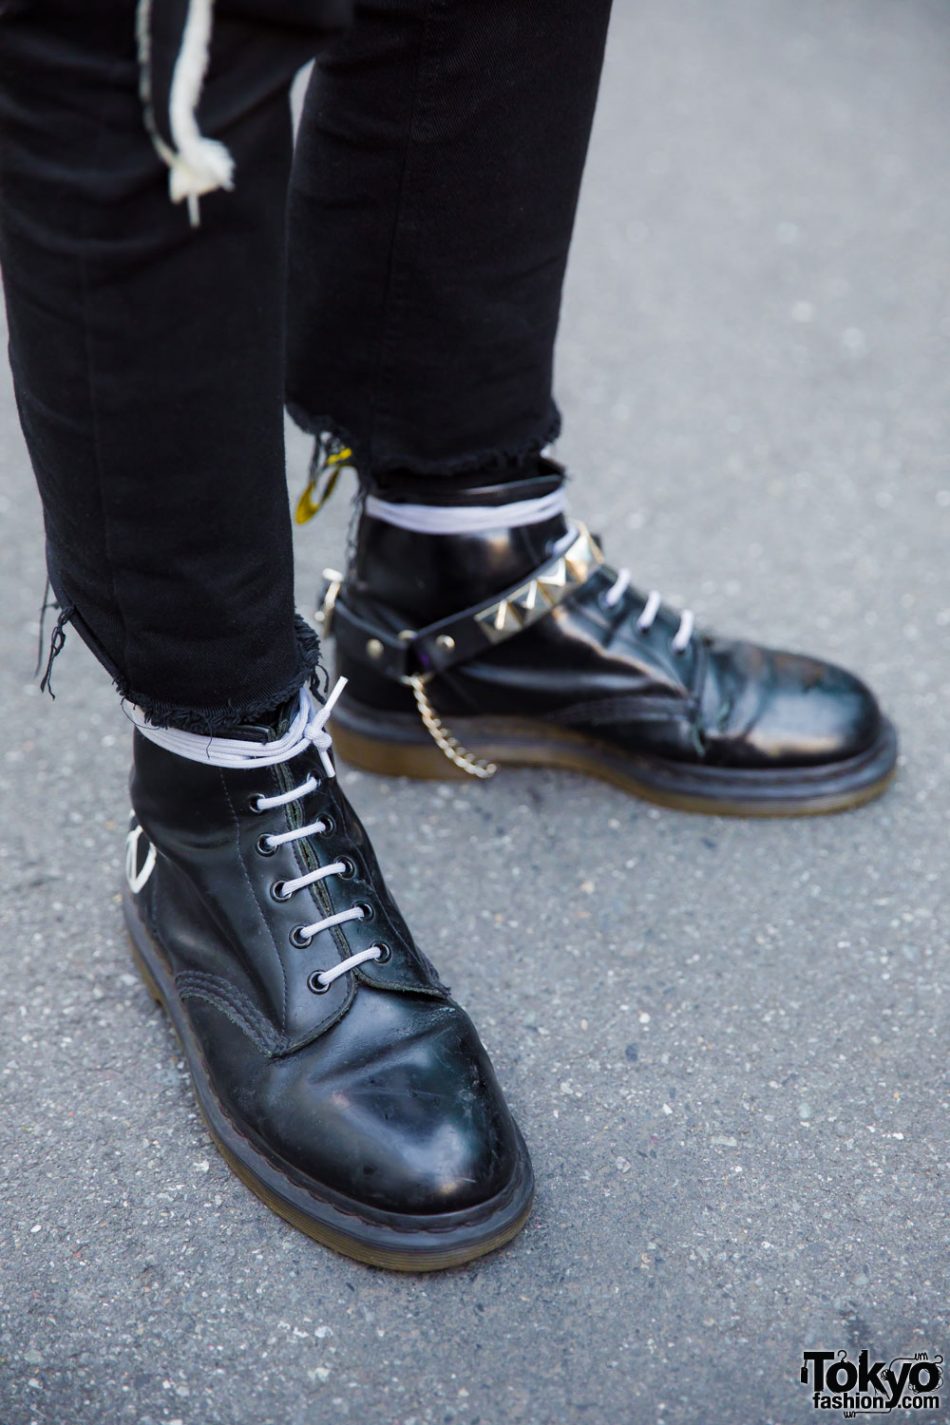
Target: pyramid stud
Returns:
[498, 621]
[525, 600]
[552, 584]
[580, 557]
[526, 605]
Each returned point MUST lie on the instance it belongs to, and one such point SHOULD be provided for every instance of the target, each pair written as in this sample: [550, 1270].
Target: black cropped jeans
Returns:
[411, 300]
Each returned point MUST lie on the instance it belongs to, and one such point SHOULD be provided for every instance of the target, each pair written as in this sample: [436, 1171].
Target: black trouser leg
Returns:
[148, 357]
[432, 203]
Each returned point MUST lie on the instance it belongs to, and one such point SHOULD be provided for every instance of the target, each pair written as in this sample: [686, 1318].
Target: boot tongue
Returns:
[269, 727]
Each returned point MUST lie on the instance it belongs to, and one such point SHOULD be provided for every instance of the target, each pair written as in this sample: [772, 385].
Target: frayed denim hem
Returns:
[495, 458]
[209, 722]
[161, 713]
[57, 640]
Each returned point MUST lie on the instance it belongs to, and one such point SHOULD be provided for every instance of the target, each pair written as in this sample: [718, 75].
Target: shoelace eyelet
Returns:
[279, 892]
[265, 846]
[253, 804]
[299, 940]
[385, 954]
[367, 910]
[315, 985]
[350, 869]
[327, 826]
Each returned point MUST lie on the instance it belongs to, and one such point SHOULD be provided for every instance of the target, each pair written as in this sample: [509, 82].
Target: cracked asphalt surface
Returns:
[726, 1041]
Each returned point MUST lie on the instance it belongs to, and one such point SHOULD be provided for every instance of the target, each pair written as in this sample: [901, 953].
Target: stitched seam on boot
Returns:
[193, 984]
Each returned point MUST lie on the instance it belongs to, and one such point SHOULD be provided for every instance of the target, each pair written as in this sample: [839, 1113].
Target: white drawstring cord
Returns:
[196, 165]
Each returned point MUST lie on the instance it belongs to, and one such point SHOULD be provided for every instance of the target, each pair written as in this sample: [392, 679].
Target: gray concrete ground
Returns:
[724, 1039]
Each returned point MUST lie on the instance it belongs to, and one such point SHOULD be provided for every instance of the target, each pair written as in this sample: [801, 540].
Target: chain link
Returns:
[446, 743]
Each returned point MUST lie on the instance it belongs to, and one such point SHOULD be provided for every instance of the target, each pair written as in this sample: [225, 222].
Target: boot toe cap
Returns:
[790, 710]
[816, 713]
[406, 1116]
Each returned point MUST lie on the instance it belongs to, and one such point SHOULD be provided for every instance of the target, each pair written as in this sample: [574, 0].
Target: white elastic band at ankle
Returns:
[467, 519]
[307, 729]
[196, 164]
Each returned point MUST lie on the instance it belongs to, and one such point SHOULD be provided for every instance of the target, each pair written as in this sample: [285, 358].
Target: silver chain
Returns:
[446, 743]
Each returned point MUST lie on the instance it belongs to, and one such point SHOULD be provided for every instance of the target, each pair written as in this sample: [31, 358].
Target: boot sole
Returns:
[397, 1242]
[396, 744]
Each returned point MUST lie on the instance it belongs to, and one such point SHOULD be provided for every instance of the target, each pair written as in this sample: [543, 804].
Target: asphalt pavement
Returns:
[726, 1041]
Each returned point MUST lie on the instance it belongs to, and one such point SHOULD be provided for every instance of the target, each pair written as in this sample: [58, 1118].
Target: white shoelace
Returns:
[651, 608]
[307, 729]
[467, 519]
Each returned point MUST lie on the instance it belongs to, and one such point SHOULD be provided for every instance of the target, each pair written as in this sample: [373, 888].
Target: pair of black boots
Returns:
[337, 1075]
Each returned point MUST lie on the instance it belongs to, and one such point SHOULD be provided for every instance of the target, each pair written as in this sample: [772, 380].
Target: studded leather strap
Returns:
[441, 645]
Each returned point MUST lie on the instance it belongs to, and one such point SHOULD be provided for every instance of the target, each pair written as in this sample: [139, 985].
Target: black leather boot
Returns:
[521, 645]
[337, 1076]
